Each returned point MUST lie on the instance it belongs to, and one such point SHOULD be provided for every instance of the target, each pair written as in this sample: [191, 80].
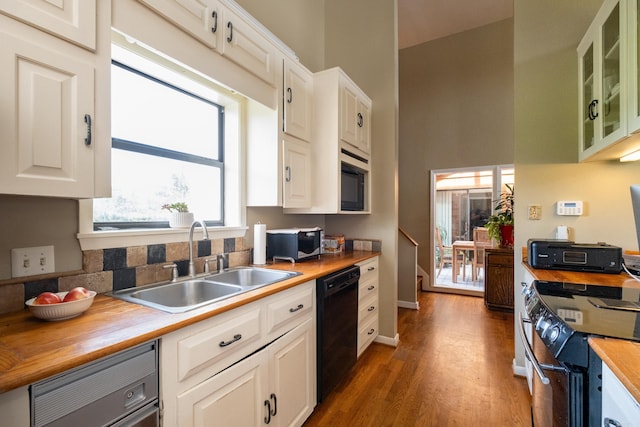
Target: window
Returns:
[189, 150]
[167, 146]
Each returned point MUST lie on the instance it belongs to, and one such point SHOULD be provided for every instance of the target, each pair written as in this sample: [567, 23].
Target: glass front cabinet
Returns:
[609, 83]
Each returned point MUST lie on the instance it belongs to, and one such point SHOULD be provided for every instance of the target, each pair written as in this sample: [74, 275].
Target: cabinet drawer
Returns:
[504, 260]
[368, 269]
[288, 312]
[367, 307]
[216, 342]
[367, 288]
[367, 332]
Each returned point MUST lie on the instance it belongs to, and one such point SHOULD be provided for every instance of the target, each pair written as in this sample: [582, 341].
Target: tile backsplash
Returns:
[112, 269]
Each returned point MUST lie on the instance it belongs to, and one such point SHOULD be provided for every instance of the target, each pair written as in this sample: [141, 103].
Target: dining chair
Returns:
[446, 252]
[481, 241]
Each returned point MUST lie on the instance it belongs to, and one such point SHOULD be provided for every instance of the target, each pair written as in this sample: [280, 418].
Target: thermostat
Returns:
[570, 207]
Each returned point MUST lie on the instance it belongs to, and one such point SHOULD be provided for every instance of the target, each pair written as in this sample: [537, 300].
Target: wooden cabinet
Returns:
[368, 304]
[245, 366]
[56, 135]
[223, 29]
[619, 408]
[498, 279]
[609, 76]
[340, 134]
[296, 174]
[72, 20]
[355, 116]
[297, 99]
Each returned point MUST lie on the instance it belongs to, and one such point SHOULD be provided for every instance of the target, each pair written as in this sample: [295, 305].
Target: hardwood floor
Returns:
[453, 367]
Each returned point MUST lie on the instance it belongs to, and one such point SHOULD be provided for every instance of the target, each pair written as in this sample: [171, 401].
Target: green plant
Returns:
[503, 215]
[178, 207]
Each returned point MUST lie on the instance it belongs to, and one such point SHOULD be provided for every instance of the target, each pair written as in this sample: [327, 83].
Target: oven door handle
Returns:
[529, 352]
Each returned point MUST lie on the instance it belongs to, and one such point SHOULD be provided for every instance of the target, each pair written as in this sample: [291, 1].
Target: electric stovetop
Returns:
[593, 309]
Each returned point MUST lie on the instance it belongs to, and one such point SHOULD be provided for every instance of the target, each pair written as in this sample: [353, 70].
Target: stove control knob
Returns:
[554, 333]
[542, 326]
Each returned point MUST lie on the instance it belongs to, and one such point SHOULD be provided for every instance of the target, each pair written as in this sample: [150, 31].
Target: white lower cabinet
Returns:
[368, 304]
[211, 376]
[619, 408]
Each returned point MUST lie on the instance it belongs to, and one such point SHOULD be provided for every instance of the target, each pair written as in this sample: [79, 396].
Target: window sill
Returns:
[126, 238]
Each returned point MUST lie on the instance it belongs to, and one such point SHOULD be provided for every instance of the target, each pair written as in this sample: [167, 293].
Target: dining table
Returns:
[464, 247]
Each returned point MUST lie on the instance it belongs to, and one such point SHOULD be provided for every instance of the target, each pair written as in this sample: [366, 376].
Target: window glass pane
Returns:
[148, 112]
[141, 184]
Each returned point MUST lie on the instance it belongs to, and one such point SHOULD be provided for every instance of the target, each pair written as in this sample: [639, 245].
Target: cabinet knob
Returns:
[360, 120]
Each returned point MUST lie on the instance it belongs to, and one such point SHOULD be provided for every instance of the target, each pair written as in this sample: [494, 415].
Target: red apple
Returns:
[47, 298]
[76, 294]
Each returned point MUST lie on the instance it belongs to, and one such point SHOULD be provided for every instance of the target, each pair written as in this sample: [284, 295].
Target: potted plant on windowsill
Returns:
[180, 215]
[500, 224]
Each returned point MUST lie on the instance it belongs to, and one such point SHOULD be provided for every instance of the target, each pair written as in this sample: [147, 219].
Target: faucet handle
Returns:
[207, 269]
[174, 271]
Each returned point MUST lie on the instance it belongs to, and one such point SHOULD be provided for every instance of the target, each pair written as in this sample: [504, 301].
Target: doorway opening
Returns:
[461, 202]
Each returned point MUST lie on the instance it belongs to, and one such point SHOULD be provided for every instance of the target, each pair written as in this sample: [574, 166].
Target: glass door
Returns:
[462, 200]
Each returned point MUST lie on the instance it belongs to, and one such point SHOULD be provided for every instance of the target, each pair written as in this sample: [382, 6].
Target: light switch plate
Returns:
[32, 261]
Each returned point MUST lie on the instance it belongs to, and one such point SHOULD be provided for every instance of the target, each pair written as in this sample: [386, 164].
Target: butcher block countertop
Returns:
[622, 356]
[33, 349]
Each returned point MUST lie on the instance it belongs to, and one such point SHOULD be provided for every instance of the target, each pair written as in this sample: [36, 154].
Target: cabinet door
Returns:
[48, 111]
[248, 48]
[72, 20]
[602, 73]
[297, 174]
[233, 397]
[348, 114]
[363, 123]
[298, 93]
[633, 78]
[619, 408]
[198, 18]
[293, 373]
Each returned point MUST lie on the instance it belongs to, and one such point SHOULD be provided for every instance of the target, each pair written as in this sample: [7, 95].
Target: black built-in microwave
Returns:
[352, 188]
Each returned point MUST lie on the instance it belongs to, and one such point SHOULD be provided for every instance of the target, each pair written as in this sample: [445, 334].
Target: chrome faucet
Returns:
[192, 268]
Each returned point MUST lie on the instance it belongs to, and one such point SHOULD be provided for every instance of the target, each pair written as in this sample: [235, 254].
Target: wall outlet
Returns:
[535, 212]
[32, 261]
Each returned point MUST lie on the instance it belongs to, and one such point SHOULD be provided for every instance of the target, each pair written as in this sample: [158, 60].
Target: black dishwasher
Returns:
[337, 327]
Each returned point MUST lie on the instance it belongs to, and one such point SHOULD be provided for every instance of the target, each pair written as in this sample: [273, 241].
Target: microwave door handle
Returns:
[529, 352]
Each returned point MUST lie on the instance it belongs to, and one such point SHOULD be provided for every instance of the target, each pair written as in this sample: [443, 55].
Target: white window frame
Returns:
[234, 172]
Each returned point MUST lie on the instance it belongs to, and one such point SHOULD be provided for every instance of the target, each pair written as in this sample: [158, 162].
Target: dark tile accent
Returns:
[376, 246]
[156, 254]
[183, 267]
[204, 248]
[114, 259]
[229, 245]
[348, 245]
[124, 278]
[33, 289]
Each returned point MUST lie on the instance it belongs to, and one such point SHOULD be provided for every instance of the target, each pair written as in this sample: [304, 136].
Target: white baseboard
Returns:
[409, 304]
[393, 342]
[518, 370]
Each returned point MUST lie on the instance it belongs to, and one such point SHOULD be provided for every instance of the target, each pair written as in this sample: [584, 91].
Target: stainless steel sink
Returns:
[177, 297]
[251, 277]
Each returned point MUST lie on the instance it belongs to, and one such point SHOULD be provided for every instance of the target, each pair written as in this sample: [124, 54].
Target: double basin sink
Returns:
[185, 295]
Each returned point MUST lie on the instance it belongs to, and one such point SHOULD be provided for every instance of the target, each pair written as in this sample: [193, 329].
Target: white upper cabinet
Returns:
[602, 71]
[297, 99]
[245, 46]
[223, 30]
[609, 90]
[198, 18]
[53, 129]
[72, 20]
[355, 116]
